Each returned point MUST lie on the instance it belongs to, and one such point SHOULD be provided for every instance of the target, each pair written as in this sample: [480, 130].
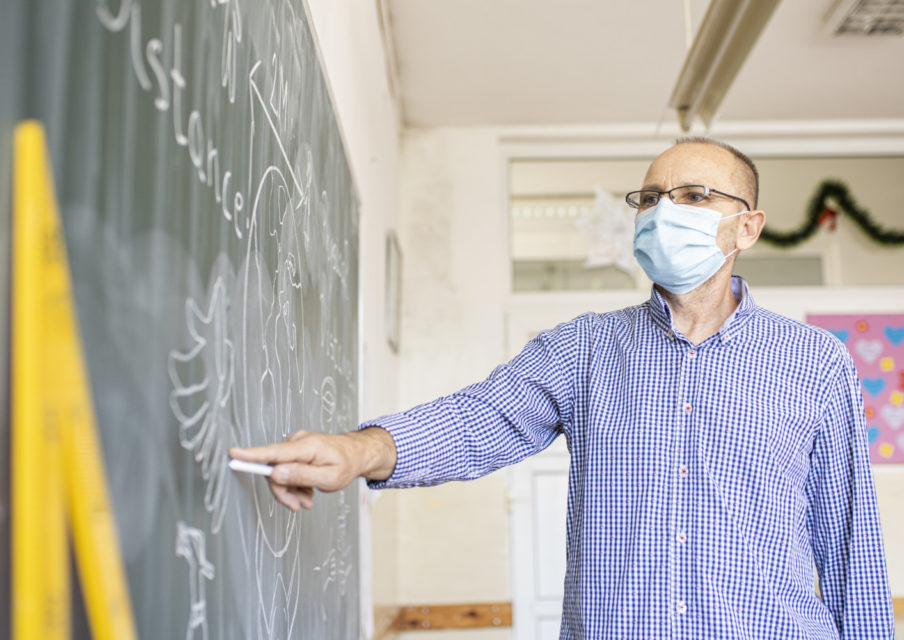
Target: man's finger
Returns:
[293, 497]
[288, 451]
[285, 496]
[298, 474]
[305, 496]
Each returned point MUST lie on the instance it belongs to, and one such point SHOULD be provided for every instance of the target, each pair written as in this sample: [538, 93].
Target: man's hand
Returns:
[308, 461]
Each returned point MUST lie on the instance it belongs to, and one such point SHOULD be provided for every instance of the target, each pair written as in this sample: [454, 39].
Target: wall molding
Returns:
[436, 617]
[385, 618]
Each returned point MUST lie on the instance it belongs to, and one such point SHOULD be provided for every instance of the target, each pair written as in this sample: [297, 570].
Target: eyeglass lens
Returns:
[689, 194]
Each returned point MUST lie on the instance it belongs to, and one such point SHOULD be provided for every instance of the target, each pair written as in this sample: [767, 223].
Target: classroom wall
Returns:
[454, 539]
[454, 544]
[349, 37]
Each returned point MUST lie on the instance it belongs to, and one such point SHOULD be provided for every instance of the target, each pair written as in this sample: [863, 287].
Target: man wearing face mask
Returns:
[718, 450]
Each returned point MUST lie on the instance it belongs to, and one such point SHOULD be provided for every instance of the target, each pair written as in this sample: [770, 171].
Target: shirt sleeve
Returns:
[843, 518]
[517, 411]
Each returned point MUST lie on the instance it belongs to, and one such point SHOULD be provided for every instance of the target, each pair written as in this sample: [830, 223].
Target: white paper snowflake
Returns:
[609, 226]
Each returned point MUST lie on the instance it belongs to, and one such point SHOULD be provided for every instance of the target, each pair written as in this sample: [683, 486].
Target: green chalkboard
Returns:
[212, 227]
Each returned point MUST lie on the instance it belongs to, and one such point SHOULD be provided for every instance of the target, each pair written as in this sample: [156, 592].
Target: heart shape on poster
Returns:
[893, 416]
[874, 386]
[871, 434]
[901, 442]
[841, 334]
[869, 350]
[895, 335]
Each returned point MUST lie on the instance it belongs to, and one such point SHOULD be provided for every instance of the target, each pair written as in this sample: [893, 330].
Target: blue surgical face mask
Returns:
[676, 244]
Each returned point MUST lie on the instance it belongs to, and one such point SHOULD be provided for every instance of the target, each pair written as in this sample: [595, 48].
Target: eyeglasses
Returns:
[695, 195]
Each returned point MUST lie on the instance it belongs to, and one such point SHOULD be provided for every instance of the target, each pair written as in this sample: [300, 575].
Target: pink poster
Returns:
[876, 343]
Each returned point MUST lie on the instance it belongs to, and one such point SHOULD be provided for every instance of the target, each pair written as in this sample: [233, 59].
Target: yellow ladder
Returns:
[58, 474]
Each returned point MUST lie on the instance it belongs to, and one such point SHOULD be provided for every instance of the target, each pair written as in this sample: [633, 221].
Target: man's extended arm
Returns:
[515, 412]
[843, 519]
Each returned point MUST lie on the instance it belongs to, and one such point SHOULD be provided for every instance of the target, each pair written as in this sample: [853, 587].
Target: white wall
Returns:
[454, 545]
[349, 38]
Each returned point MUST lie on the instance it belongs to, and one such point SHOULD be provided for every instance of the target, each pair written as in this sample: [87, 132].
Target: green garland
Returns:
[838, 193]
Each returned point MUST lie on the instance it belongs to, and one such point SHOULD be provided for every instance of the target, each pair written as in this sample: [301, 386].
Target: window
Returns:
[556, 225]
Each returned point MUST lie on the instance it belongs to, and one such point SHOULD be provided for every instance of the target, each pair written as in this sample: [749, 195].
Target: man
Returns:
[718, 450]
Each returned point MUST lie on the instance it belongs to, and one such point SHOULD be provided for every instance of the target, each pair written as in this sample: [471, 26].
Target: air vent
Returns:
[866, 17]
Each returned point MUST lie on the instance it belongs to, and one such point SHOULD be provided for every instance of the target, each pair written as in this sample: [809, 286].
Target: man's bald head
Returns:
[748, 178]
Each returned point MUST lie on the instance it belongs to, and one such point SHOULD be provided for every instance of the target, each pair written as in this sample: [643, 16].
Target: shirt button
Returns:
[691, 354]
[682, 471]
[681, 608]
[687, 408]
[681, 537]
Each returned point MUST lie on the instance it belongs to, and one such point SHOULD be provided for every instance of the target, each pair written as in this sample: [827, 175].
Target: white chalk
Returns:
[256, 468]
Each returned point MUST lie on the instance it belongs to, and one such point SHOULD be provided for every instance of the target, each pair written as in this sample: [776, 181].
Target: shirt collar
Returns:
[661, 313]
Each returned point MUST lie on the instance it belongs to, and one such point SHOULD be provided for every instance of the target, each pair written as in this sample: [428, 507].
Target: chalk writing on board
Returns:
[190, 545]
[263, 342]
[278, 586]
[259, 340]
[336, 567]
[327, 403]
[202, 380]
[172, 87]
[232, 36]
[271, 335]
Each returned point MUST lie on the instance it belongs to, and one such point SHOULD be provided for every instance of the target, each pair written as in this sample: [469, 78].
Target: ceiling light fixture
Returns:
[728, 32]
[866, 17]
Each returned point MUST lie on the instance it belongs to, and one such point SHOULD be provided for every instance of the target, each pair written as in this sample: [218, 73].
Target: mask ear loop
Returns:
[734, 215]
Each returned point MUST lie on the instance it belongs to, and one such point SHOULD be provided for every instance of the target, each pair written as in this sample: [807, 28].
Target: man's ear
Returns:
[750, 229]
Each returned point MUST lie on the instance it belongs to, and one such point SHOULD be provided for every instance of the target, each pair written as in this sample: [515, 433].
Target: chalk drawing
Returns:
[202, 380]
[327, 403]
[232, 37]
[240, 377]
[278, 587]
[336, 568]
[190, 545]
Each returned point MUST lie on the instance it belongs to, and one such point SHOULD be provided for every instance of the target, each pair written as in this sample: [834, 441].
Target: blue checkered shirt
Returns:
[705, 481]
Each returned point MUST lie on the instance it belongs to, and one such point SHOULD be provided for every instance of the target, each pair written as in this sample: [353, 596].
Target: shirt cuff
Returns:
[411, 462]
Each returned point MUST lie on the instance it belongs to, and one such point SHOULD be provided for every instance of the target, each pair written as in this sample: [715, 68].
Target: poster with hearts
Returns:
[876, 343]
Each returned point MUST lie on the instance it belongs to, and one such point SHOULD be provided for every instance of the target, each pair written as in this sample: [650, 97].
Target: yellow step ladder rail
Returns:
[39, 554]
[58, 471]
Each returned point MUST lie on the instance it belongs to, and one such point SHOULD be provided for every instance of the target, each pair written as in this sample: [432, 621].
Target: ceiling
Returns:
[506, 62]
